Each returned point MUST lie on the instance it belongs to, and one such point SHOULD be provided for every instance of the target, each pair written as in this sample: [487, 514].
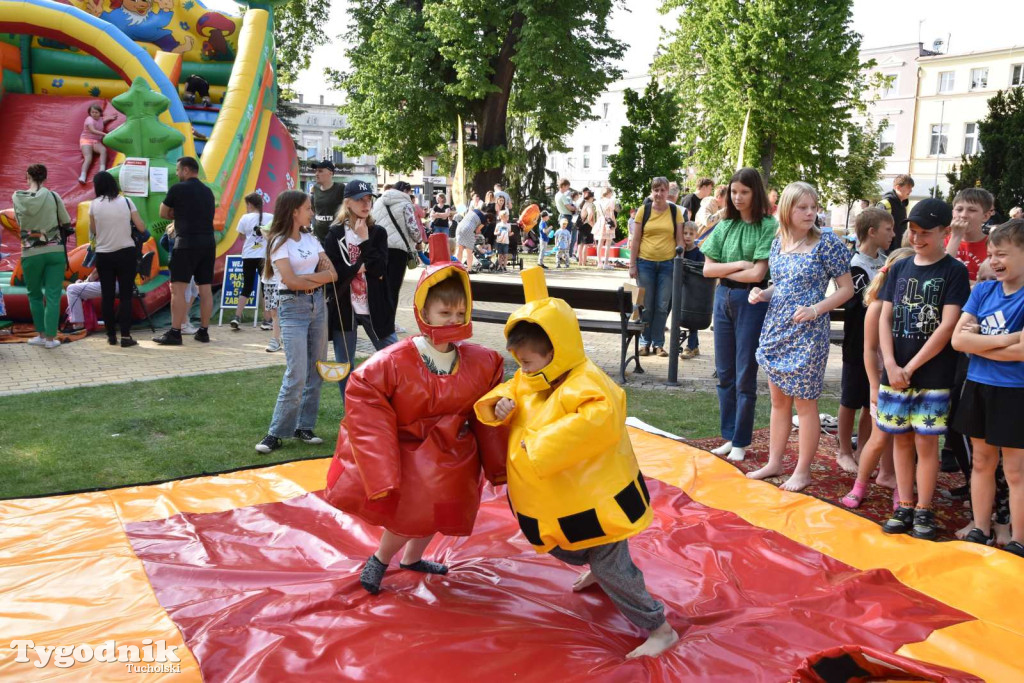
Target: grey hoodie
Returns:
[397, 201]
[39, 213]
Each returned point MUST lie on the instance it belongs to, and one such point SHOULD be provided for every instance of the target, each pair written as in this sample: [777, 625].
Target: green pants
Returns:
[44, 279]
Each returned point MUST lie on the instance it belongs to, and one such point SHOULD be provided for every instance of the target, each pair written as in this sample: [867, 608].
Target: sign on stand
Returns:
[231, 288]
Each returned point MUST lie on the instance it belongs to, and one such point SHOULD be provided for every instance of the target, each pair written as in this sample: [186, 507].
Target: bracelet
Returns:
[814, 307]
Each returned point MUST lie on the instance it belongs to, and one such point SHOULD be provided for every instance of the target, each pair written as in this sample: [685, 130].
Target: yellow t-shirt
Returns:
[659, 239]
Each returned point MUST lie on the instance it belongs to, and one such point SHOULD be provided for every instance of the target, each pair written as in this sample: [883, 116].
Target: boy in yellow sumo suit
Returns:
[573, 480]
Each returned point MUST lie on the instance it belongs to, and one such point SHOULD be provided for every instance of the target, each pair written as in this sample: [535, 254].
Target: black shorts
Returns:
[855, 389]
[193, 263]
[991, 414]
[586, 234]
[251, 267]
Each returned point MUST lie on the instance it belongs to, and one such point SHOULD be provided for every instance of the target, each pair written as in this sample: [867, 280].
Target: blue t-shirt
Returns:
[562, 238]
[997, 314]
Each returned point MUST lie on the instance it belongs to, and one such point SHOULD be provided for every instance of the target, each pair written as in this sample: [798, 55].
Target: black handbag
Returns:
[139, 237]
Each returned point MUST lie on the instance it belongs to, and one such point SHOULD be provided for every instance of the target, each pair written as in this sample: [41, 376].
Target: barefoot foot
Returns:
[723, 449]
[585, 580]
[766, 472]
[962, 533]
[1002, 532]
[736, 454]
[888, 481]
[847, 463]
[797, 482]
[661, 639]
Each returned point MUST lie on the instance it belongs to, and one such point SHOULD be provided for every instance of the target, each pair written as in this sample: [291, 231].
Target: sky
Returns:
[966, 26]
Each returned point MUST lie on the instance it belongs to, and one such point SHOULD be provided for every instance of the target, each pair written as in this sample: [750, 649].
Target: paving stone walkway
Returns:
[91, 361]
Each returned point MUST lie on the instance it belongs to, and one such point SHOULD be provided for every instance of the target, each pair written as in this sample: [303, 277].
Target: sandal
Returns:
[1014, 548]
[978, 536]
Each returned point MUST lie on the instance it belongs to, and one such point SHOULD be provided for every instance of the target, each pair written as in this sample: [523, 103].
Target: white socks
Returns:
[723, 449]
[736, 454]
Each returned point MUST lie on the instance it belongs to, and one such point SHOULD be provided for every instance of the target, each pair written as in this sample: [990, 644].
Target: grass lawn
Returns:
[118, 435]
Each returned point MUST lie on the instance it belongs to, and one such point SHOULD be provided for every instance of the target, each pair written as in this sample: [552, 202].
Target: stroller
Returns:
[531, 243]
[482, 260]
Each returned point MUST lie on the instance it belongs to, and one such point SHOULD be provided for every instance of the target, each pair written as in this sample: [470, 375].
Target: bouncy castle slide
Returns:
[58, 58]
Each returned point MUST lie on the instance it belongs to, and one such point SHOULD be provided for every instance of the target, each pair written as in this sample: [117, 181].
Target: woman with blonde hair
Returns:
[358, 250]
[793, 347]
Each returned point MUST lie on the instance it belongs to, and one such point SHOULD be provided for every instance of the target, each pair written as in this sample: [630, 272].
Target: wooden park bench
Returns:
[628, 325]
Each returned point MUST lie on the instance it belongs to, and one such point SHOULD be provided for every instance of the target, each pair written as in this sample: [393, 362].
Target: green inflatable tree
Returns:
[144, 135]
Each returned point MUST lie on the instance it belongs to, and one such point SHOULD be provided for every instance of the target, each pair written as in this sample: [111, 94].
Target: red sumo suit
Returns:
[410, 449]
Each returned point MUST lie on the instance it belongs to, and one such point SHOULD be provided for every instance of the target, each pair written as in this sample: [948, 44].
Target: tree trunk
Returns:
[493, 115]
[767, 160]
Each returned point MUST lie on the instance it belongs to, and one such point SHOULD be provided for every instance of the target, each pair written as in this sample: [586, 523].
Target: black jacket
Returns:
[898, 208]
[374, 255]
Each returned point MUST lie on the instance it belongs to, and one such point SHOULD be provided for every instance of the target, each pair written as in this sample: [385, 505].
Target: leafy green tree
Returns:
[999, 167]
[648, 145]
[859, 170]
[416, 65]
[792, 66]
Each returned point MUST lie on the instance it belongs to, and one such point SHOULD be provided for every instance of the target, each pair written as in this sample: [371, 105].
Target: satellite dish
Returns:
[937, 45]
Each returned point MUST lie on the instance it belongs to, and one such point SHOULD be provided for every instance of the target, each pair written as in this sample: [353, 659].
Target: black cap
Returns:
[402, 186]
[931, 213]
[357, 189]
[325, 163]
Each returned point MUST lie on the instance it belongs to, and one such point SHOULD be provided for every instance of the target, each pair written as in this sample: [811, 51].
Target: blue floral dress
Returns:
[792, 354]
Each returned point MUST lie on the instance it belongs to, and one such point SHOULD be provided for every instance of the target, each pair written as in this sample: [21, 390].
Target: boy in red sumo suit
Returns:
[410, 449]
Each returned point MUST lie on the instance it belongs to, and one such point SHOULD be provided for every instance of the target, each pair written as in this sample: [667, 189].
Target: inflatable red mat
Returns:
[271, 592]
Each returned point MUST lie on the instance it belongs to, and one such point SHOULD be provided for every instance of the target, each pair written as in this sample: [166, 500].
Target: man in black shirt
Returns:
[691, 202]
[440, 213]
[190, 204]
[326, 196]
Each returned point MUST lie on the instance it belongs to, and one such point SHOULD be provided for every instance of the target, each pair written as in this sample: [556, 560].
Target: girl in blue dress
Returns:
[794, 339]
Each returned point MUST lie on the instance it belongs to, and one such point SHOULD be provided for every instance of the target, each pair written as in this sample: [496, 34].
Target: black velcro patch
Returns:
[530, 528]
[643, 487]
[582, 526]
[631, 502]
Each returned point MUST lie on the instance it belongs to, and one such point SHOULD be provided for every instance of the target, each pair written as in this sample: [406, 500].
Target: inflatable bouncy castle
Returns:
[60, 58]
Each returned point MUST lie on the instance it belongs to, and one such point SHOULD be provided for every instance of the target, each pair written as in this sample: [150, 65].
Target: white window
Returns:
[1016, 75]
[946, 80]
[887, 140]
[940, 139]
[892, 87]
[979, 79]
[605, 110]
[604, 155]
[586, 156]
[972, 145]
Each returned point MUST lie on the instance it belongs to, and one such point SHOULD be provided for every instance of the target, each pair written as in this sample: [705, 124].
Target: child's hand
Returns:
[756, 296]
[504, 407]
[898, 377]
[958, 226]
[971, 328]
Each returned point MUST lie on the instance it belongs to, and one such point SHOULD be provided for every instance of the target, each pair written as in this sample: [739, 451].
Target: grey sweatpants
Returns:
[620, 579]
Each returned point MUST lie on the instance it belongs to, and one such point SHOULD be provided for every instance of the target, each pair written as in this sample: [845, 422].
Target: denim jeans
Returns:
[572, 229]
[656, 279]
[692, 340]
[737, 333]
[350, 341]
[303, 319]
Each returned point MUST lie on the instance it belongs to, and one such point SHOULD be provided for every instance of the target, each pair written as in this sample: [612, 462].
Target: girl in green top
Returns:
[737, 253]
[39, 212]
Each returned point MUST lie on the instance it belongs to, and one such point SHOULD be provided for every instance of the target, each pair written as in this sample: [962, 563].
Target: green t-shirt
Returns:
[734, 240]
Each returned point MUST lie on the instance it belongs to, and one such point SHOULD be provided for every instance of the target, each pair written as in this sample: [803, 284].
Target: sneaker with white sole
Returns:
[189, 328]
[38, 340]
[274, 345]
[266, 327]
[268, 444]
[51, 343]
[307, 436]
[235, 323]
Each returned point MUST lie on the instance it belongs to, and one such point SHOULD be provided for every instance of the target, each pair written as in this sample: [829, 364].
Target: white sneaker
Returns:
[266, 327]
[37, 340]
[52, 343]
[189, 328]
[274, 345]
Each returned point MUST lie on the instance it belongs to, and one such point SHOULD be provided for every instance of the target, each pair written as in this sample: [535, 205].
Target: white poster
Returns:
[158, 179]
[135, 177]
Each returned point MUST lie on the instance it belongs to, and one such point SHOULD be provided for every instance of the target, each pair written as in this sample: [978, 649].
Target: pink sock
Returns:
[858, 490]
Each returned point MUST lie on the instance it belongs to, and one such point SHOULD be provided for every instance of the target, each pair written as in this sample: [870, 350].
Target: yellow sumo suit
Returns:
[576, 484]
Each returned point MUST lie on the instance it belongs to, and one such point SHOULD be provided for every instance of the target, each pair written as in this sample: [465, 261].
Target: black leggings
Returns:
[397, 265]
[117, 267]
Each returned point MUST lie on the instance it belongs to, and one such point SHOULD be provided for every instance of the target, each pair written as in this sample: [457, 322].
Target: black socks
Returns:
[374, 569]
[372, 574]
[426, 566]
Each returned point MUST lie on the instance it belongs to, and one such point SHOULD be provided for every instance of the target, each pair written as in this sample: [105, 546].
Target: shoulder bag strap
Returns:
[398, 228]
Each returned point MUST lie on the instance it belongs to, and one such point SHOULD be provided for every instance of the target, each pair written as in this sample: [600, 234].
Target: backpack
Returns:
[647, 213]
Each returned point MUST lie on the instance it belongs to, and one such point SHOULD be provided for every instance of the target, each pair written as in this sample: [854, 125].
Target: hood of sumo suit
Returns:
[559, 322]
[441, 268]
